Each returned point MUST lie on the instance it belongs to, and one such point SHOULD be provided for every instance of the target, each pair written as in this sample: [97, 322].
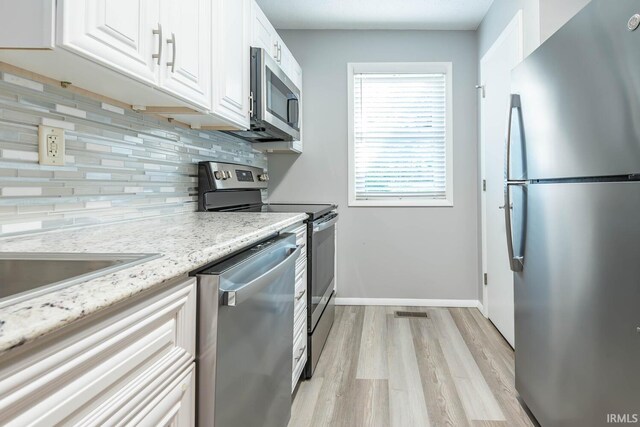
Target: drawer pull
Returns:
[301, 352]
[301, 294]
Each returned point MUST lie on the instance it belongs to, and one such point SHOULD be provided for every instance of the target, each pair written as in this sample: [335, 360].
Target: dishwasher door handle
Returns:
[237, 296]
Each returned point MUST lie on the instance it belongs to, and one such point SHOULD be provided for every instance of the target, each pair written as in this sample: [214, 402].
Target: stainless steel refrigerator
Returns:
[573, 184]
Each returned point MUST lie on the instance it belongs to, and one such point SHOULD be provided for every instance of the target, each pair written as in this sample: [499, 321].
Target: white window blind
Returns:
[400, 136]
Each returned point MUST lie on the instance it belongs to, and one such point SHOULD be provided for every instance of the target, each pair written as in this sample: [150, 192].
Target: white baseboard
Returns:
[409, 302]
[481, 308]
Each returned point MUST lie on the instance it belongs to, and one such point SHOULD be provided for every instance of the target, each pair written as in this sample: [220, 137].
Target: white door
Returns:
[116, 33]
[186, 63]
[495, 68]
[232, 60]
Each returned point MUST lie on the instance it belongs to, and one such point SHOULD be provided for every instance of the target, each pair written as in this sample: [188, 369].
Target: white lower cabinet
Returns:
[300, 309]
[132, 365]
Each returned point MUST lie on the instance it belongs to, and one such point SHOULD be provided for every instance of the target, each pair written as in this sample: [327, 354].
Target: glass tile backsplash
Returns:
[119, 164]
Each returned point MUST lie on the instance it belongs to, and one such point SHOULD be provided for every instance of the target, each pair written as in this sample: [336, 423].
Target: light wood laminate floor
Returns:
[452, 368]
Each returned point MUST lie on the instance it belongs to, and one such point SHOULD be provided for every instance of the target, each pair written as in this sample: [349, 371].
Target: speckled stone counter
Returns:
[185, 241]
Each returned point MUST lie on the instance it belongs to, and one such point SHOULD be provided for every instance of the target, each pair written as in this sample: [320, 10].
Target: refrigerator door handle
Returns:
[513, 104]
[516, 262]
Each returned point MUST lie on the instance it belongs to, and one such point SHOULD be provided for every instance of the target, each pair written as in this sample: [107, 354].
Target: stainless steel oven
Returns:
[275, 102]
[321, 258]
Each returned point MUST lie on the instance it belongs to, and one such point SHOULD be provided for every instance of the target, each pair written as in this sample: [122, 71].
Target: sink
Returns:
[26, 275]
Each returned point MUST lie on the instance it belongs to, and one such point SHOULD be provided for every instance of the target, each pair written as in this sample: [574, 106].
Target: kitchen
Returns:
[272, 213]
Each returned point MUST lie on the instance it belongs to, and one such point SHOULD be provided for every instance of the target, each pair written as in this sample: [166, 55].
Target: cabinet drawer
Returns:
[300, 324]
[173, 406]
[301, 234]
[301, 275]
[300, 307]
[69, 377]
[299, 359]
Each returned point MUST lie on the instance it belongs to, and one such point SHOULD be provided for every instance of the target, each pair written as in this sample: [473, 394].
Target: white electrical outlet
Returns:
[51, 145]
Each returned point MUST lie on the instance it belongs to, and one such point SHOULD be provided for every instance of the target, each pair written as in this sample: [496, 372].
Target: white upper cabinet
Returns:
[231, 74]
[185, 69]
[116, 32]
[149, 53]
[166, 43]
[185, 59]
[263, 34]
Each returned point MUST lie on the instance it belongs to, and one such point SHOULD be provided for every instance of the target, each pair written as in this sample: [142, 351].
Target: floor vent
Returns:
[418, 314]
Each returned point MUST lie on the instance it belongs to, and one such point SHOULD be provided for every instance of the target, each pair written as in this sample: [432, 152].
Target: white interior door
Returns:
[495, 68]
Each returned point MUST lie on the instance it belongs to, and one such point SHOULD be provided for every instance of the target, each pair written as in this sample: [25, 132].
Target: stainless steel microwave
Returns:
[274, 102]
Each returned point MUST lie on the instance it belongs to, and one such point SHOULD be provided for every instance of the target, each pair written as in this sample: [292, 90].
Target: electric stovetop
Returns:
[314, 211]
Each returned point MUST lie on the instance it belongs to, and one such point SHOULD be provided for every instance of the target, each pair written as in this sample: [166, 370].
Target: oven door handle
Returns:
[238, 296]
[325, 224]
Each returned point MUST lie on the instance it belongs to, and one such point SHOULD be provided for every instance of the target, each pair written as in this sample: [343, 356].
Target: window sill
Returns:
[401, 203]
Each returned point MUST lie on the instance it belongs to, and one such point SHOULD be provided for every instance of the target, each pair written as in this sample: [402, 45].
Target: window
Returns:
[400, 136]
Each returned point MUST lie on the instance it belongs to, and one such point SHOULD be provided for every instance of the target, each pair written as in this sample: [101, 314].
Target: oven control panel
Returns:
[231, 176]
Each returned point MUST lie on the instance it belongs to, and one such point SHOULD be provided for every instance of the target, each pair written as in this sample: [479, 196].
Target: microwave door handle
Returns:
[245, 292]
[292, 110]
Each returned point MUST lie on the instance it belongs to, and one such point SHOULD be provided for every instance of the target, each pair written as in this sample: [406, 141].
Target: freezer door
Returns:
[578, 304]
[580, 97]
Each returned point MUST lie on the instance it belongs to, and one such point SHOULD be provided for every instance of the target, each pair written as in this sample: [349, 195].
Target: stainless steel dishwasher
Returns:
[245, 324]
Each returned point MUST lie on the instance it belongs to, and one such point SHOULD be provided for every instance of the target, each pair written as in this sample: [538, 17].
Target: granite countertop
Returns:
[185, 241]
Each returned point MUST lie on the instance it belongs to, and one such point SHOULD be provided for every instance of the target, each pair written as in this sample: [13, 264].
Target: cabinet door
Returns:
[262, 32]
[103, 372]
[232, 60]
[116, 33]
[186, 61]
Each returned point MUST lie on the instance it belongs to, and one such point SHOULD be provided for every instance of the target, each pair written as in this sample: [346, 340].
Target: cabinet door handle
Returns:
[279, 53]
[275, 50]
[301, 353]
[301, 294]
[250, 104]
[158, 32]
[172, 63]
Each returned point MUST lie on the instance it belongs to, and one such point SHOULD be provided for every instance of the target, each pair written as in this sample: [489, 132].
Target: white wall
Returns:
[417, 253]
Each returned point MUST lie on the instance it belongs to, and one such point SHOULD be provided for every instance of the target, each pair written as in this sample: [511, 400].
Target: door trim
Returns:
[516, 21]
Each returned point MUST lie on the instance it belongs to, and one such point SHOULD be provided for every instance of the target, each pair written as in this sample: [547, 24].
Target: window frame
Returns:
[400, 68]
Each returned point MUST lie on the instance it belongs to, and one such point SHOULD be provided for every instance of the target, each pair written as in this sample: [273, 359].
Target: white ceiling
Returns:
[376, 14]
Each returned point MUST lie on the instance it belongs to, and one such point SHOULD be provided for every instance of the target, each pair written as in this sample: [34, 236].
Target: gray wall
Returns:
[425, 253]
[498, 17]
[541, 19]
[554, 14]
[119, 165]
